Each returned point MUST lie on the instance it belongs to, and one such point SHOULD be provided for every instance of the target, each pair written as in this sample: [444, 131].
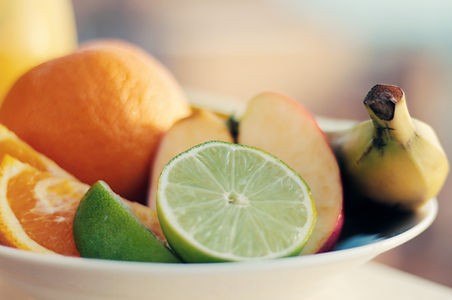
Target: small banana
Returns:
[391, 158]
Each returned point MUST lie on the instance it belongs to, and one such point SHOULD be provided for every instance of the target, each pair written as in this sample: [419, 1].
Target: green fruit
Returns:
[104, 227]
[227, 202]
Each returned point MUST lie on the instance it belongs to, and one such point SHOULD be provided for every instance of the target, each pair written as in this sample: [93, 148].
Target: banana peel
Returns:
[392, 158]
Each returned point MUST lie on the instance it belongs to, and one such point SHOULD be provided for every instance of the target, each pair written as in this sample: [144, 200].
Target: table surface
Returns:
[371, 281]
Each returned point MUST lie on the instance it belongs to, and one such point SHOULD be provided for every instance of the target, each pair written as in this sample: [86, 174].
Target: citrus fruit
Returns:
[99, 113]
[147, 216]
[15, 147]
[227, 202]
[104, 227]
[37, 209]
[32, 32]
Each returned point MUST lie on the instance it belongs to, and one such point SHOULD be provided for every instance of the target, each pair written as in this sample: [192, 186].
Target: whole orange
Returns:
[99, 113]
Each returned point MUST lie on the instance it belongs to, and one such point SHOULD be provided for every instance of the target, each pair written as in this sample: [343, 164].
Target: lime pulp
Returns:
[227, 202]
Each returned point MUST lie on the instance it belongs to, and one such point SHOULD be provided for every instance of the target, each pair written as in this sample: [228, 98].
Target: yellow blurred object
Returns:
[32, 32]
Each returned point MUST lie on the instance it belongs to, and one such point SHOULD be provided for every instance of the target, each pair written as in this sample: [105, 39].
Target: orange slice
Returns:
[14, 146]
[37, 209]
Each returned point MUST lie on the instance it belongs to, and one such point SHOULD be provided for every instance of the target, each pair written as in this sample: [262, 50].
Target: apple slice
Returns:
[200, 127]
[281, 126]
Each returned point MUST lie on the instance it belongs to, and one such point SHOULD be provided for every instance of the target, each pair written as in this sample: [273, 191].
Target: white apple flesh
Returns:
[200, 127]
[281, 126]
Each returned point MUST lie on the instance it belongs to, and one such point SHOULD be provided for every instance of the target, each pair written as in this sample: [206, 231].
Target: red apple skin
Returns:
[334, 237]
[331, 242]
[281, 126]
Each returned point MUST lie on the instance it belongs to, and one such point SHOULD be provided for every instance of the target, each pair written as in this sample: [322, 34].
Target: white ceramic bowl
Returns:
[58, 277]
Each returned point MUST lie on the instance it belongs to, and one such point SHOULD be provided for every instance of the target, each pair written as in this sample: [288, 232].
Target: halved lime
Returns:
[227, 202]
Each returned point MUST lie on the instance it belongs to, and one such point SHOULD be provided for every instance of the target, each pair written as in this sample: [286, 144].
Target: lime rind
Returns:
[278, 218]
[106, 228]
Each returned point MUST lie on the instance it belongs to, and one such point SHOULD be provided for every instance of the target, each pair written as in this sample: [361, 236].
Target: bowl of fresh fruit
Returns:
[114, 186]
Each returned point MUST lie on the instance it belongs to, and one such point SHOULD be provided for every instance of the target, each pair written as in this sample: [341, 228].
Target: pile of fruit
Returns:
[82, 133]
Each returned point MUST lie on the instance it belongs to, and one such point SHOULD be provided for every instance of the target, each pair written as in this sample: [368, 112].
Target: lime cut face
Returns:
[228, 202]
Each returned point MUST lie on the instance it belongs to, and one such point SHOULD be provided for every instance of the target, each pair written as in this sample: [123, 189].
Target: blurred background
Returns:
[326, 54]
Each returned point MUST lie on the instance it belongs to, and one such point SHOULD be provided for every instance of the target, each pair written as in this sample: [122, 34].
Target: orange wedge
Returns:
[12, 145]
[37, 209]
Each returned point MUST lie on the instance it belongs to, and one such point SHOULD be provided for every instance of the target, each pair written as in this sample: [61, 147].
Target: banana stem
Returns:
[387, 107]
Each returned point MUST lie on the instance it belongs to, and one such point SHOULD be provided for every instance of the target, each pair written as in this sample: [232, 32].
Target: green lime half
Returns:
[104, 227]
[227, 202]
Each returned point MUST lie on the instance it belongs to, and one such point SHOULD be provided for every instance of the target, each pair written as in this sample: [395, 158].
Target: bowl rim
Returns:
[373, 249]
